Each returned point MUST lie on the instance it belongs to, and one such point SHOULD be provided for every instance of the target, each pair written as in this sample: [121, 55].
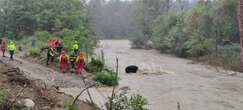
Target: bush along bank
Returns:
[207, 32]
[103, 76]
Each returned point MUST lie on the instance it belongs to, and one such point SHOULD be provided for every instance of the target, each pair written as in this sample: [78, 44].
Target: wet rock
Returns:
[46, 108]
[29, 103]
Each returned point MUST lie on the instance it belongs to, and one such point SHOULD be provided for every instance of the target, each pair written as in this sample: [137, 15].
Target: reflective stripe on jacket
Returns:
[12, 47]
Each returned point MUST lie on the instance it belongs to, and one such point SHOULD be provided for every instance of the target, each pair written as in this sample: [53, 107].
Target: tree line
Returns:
[206, 30]
[186, 28]
[28, 16]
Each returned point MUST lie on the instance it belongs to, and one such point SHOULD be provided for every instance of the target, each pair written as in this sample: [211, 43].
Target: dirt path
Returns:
[171, 80]
[51, 77]
[70, 84]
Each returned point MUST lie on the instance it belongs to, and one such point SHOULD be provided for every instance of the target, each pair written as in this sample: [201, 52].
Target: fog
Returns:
[126, 18]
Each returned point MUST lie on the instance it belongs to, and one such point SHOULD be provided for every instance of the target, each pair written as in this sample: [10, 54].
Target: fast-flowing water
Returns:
[166, 80]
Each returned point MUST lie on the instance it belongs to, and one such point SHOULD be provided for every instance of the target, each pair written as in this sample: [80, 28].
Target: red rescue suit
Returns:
[80, 63]
[3, 48]
[64, 62]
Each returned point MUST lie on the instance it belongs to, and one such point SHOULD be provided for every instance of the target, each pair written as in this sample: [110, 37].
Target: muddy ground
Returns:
[18, 87]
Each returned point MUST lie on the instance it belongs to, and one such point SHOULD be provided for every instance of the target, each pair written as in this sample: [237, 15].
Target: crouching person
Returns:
[80, 62]
[51, 54]
[64, 62]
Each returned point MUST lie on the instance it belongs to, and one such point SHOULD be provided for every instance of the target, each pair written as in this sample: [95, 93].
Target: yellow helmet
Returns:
[75, 42]
[11, 42]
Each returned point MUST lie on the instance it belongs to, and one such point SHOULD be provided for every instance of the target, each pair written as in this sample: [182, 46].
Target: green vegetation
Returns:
[199, 31]
[34, 52]
[123, 102]
[42, 20]
[100, 73]
[28, 16]
[3, 97]
[73, 107]
[95, 65]
[66, 19]
[106, 78]
[193, 30]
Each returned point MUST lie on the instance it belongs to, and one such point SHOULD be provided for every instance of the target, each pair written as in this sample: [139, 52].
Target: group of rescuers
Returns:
[75, 61]
[10, 47]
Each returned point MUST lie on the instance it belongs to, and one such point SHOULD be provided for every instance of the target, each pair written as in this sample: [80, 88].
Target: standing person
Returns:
[73, 57]
[51, 53]
[59, 46]
[75, 46]
[80, 62]
[33, 42]
[54, 43]
[64, 62]
[11, 48]
[3, 48]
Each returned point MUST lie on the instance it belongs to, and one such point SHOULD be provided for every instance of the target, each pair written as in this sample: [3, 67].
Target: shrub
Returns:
[106, 78]
[137, 102]
[95, 65]
[139, 42]
[3, 97]
[42, 35]
[34, 52]
[122, 102]
[230, 63]
[231, 50]
[73, 107]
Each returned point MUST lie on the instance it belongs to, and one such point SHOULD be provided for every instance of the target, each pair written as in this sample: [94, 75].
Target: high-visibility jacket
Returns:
[52, 52]
[11, 46]
[75, 46]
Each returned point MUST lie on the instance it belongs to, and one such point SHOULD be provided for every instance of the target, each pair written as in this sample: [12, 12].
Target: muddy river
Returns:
[165, 80]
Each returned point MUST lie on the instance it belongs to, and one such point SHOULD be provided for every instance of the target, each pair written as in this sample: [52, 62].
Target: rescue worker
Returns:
[80, 62]
[11, 48]
[51, 53]
[3, 48]
[75, 46]
[59, 46]
[33, 42]
[73, 57]
[64, 62]
[54, 43]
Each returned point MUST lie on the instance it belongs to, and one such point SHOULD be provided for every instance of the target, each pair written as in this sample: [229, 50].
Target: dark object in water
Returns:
[131, 69]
